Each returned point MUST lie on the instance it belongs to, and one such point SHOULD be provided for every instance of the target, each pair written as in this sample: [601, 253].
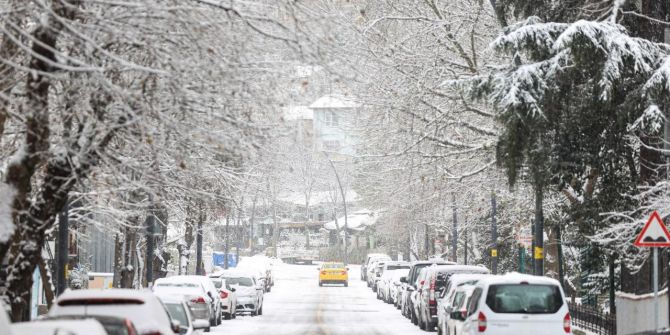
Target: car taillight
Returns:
[566, 323]
[431, 296]
[344, 272]
[223, 294]
[198, 300]
[323, 273]
[481, 322]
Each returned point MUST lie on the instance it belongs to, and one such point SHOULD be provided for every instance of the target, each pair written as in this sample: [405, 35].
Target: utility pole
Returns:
[454, 232]
[344, 202]
[150, 249]
[494, 236]
[538, 251]
[198, 245]
[227, 249]
[62, 248]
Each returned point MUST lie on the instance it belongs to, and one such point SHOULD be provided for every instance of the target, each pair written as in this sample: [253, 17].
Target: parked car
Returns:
[4, 319]
[369, 259]
[59, 327]
[384, 282]
[113, 325]
[444, 303]
[409, 285]
[141, 307]
[261, 267]
[202, 296]
[248, 290]
[458, 311]
[518, 304]
[227, 295]
[396, 285]
[180, 312]
[333, 273]
[435, 281]
[370, 272]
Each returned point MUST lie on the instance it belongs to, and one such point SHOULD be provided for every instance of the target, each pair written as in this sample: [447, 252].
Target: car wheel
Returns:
[413, 318]
[234, 316]
[207, 330]
[254, 313]
[226, 316]
[320, 284]
[269, 289]
[346, 284]
[260, 311]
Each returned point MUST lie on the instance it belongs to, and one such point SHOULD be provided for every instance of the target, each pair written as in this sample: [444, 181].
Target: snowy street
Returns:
[297, 305]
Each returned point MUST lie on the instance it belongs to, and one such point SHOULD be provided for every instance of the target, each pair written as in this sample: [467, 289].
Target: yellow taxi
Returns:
[333, 273]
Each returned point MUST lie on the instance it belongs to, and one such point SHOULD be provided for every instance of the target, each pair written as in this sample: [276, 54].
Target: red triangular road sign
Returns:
[654, 233]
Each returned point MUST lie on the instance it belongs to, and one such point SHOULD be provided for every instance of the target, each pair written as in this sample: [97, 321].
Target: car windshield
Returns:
[334, 266]
[524, 299]
[397, 267]
[241, 281]
[177, 313]
[218, 283]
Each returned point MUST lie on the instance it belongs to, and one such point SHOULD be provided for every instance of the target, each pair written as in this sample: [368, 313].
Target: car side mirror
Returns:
[210, 295]
[176, 326]
[200, 324]
[232, 289]
[456, 315]
[403, 280]
[347, 268]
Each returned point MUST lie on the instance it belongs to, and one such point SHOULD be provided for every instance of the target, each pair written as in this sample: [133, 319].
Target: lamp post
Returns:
[344, 202]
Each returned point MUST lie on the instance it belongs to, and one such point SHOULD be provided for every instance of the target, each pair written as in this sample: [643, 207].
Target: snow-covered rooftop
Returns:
[356, 221]
[322, 197]
[334, 101]
[297, 113]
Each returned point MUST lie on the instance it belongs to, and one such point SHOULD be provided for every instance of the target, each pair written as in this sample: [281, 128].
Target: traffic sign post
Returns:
[654, 235]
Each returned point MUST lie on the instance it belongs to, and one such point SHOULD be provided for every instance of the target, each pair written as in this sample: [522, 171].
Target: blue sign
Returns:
[219, 259]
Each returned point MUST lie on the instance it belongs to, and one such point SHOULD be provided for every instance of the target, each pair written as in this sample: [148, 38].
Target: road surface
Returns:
[297, 305]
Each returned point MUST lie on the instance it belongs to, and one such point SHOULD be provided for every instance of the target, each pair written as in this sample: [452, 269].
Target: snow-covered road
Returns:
[297, 305]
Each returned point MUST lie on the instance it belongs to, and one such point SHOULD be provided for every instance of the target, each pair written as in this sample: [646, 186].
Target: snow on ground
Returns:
[297, 305]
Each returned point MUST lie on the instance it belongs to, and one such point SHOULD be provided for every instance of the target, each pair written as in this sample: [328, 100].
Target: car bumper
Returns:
[327, 278]
[200, 312]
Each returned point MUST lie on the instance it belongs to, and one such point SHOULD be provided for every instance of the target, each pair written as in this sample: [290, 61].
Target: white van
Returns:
[518, 304]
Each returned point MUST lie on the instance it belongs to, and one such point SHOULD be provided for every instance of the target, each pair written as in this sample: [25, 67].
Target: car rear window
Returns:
[524, 299]
[242, 281]
[100, 301]
[177, 285]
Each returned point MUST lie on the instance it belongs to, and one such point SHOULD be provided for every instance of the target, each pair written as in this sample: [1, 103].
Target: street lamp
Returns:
[344, 201]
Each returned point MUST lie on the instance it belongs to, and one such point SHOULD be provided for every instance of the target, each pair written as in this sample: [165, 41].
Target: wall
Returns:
[635, 313]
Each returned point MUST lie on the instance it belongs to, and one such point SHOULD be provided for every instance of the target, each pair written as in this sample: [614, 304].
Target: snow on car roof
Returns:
[517, 278]
[460, 268]
[120, 293]
[83, 327]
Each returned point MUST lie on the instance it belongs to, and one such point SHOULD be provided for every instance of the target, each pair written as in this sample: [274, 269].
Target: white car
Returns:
[384, 283]
[4, 319]
[458, 311]
[60, 327]
[396, 286]
[248, 290]
[444, 303]
[518, 304]
[141, 307]
[180, 312]
[227, 295]
[203, 298]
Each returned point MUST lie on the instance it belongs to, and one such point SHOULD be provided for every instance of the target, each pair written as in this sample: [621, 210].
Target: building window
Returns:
[330, 119]
[331, 145]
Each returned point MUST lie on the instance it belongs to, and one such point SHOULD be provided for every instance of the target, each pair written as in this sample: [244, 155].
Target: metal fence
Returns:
[590, 319]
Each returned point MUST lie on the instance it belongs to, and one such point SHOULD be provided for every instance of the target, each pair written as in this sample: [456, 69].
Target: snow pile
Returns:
[357, 221]
[7, 193]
